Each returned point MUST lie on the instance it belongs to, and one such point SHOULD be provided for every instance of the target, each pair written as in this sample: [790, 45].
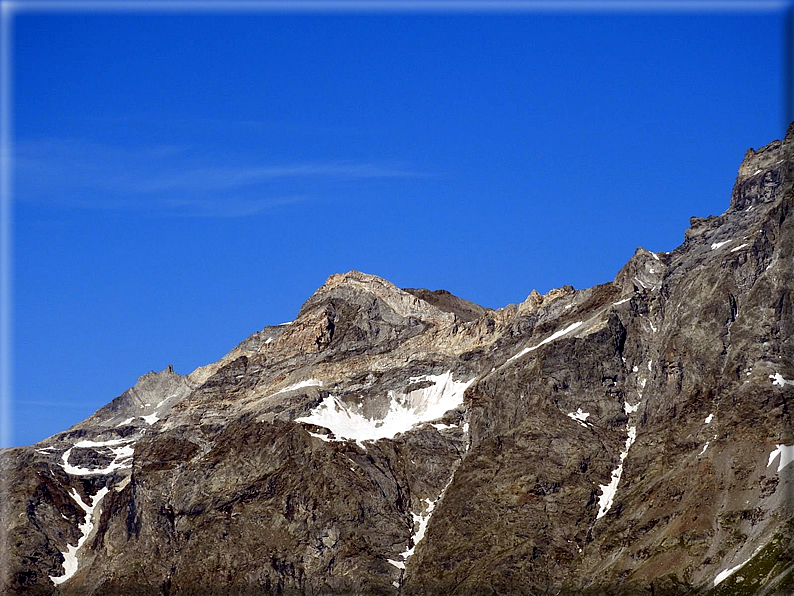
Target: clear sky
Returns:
[185, 179]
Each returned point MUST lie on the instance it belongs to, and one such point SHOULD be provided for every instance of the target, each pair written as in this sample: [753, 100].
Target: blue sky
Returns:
[184, 179]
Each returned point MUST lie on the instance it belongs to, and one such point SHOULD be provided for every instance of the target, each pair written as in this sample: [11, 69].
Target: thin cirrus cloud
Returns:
[174, 180]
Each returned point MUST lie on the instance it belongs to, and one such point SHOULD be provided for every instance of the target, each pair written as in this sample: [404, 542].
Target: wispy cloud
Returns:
[176, 180]
[230, 177]
[229, 206]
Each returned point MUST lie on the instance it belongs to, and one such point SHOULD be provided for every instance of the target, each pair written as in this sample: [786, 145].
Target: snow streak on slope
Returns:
[70, 556]
[552, 337]
[723, 575]
[300, 384]
[405, 410]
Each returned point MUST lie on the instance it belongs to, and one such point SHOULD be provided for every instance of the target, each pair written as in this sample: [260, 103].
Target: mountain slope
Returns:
[631, 438]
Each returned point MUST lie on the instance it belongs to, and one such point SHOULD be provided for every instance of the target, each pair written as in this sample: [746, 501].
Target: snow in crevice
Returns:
[466, 433]
[405, 411]
[552, 337]
[70, 561]
[619, 302]
[579, 416]
[739, 247]
[786, 454]
[420, 526]
[608, 491]
[717, 245]
[706, 446]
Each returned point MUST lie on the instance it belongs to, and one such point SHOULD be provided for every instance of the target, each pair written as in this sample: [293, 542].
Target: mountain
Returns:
[630, 438]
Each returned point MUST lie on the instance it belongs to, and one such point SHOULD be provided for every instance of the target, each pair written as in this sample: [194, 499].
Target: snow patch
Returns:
[706, 446]
[786, 453]
[621, 301]
[629, 409]
[739, 247]
[716, 245]
[709, 418]
[121, 457]
[125, 422]
[405, 410]
[777, 379]
[579, 416]
[70, 561]
[151, 418]
[102, 443]
[552, 337]
[444, 426]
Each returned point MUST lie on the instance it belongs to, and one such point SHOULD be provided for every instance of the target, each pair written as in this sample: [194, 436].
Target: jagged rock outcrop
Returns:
[631, 438]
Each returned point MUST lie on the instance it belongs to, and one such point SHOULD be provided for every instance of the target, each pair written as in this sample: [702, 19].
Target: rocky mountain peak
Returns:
[644, 270]
[761, 172]
[371, 290]
[535, 299]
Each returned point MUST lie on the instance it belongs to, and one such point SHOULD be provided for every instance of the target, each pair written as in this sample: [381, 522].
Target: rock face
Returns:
[631, 438]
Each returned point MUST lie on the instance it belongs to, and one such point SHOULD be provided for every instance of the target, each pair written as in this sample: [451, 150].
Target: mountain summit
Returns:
[630, 438]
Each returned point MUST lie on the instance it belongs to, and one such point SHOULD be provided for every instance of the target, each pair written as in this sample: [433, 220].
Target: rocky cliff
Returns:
[631, 438]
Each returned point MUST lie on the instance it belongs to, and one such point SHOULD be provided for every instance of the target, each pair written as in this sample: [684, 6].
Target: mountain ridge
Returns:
[629, 438]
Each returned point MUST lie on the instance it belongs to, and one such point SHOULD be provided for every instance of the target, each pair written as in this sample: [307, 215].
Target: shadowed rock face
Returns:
[631, 438]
